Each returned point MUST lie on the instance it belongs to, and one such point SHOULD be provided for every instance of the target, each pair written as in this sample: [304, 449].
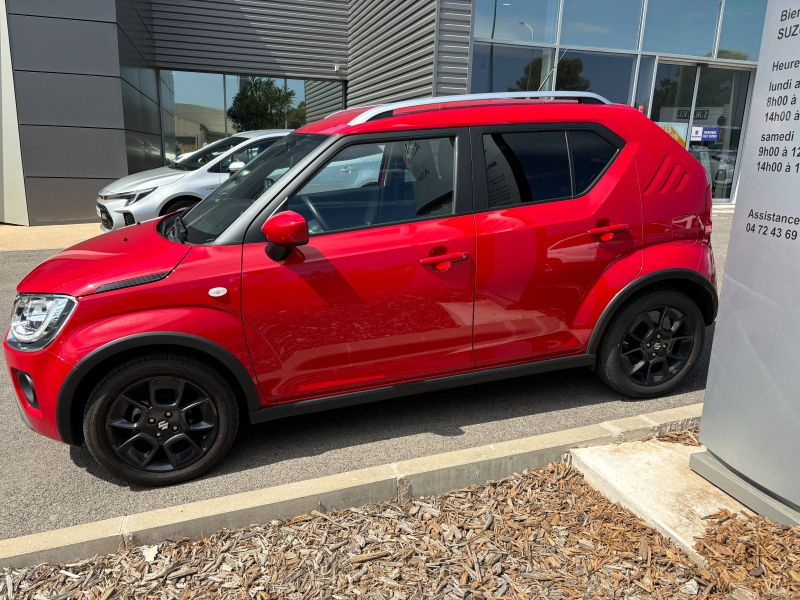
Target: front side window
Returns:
[526, 167]
[213, 215]
[244, 155]
[203, 156]
[374, 184]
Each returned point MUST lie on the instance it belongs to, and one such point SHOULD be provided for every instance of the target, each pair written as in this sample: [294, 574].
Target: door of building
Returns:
[703, 108]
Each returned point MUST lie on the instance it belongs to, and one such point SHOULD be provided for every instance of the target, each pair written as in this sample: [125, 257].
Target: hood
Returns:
[144, 180]
[135, 251]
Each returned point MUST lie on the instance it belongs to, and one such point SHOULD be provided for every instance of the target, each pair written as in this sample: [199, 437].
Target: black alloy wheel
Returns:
[161, 424]
[656, 346]
[652, 344]
[160, 419]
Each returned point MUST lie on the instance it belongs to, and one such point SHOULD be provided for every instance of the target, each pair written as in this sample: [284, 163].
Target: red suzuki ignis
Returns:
[380, 252]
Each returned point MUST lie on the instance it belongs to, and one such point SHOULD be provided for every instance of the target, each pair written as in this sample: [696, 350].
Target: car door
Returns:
[557, 206]
[384, 290]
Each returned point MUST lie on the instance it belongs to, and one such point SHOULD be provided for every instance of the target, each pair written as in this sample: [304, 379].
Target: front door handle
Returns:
[444, 260]
[606, 234]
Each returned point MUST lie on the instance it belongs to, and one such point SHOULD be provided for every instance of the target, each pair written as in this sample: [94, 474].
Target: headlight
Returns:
[129, 197]
[37, 319]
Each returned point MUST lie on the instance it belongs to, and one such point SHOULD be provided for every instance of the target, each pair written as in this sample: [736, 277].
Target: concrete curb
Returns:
[418, 477]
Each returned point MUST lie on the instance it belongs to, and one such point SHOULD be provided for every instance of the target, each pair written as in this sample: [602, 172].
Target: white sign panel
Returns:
[751, 416]
[697, 134]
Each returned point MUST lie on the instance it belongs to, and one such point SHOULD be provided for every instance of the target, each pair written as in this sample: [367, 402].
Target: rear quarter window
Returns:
[591, 155]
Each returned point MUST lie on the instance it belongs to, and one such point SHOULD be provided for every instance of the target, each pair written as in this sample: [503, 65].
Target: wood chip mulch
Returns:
[542, 534]
[750, 555]
[687, 437]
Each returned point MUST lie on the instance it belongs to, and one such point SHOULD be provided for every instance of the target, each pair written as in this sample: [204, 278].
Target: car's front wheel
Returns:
[652, 344]
[160, 419]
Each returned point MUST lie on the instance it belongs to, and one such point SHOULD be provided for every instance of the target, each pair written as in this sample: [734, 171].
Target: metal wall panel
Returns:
[53, 201]
[68, 100]
[452, 55]
[73, 152]
[85, 10]
[300, 39]
[84, 47]
[322, 99]
[391, 50]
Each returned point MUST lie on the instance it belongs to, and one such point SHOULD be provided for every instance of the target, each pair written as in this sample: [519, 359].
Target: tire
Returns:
[178, 204]
[160, 419]
[673, 326]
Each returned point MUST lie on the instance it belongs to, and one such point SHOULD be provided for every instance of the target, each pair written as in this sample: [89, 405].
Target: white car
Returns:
[182, 184]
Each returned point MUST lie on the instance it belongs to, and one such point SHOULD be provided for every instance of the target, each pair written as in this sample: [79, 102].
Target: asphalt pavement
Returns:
[46, 485]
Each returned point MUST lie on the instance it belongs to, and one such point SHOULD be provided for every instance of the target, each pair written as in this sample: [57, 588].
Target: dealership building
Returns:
[93, 90]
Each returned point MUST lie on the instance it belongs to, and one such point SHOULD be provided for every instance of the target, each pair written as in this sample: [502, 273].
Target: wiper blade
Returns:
[182, 231]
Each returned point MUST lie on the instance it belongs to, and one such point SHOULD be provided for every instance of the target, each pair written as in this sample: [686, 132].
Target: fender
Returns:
[66, 394]
[685, 275]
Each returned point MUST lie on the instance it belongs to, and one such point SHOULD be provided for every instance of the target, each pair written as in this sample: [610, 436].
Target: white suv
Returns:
[182, 184]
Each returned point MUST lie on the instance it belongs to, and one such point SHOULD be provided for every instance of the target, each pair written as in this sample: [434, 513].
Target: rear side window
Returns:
[591, 154]
[380, 183]
[526, 167]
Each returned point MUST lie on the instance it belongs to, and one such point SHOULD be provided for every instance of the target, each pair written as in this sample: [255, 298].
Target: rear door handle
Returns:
[607, 233]
[450, 257]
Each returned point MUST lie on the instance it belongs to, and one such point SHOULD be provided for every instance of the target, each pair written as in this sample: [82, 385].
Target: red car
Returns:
[381, 252]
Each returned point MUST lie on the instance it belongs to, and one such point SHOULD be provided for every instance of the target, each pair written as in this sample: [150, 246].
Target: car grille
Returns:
[129, 220]
[105, 218]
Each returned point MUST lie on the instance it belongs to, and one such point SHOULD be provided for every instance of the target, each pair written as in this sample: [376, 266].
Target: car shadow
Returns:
[444, 413]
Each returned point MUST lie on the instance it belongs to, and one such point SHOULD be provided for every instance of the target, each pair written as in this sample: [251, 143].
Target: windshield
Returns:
[210, 217]
[203, 156]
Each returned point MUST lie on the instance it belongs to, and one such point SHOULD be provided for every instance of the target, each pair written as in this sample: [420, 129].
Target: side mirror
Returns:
[284, 231]
[235, 166]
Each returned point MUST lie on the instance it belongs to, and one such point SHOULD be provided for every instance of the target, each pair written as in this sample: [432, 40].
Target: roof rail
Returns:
[381, 110]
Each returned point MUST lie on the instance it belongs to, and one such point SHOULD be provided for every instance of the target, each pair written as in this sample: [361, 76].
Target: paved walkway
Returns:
[47, 237]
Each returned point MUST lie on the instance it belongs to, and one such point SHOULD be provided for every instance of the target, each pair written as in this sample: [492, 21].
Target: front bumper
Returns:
[48, 373]
[111, 217]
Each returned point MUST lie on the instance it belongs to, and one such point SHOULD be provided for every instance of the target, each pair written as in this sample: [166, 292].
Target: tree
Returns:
[260, 104]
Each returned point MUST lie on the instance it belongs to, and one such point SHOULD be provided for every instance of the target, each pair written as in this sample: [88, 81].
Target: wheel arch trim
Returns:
[686, 276]
[71, 385]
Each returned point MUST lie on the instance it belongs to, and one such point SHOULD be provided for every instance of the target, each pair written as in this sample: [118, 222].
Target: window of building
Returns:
[610, 75]
[742, 24]
[498, 68]
[644, 84]
[591, 154]
[526, 167]
[198, 112]
[672, 99]
[520, 20]
[296, 115]
[681, 26]
[378, 184]
[610, 24]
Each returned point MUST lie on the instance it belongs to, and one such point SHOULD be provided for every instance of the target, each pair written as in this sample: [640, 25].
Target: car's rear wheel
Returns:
[160, 419]
[652, 344]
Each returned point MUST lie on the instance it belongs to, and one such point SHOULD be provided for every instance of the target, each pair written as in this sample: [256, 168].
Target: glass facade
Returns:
[687, 64]
[613, 24]
[194, 107]
[685, 27]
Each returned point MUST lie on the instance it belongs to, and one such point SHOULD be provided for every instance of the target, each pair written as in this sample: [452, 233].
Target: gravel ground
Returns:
[46, 485]
[542, 534]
